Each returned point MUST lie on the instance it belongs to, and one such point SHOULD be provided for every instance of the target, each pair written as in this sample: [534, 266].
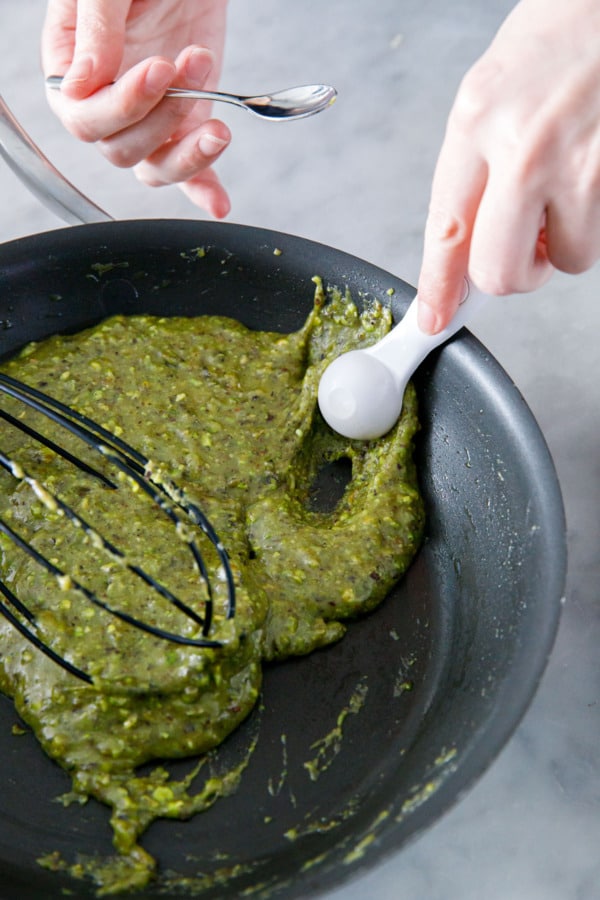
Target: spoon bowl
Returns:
[359, 396]
[361, 392]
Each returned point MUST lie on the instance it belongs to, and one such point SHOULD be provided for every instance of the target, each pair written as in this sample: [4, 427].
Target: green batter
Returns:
[231, 415]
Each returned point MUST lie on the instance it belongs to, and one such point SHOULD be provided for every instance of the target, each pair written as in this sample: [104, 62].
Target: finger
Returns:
[207, 192]
[458, 185]
[98, 46]
[573, 232]
[182, 160]
[114, 108]
[168, 120]
[507, 253]
[58, 36]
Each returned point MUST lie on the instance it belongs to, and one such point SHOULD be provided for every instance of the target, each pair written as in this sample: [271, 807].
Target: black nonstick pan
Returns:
[446, 666]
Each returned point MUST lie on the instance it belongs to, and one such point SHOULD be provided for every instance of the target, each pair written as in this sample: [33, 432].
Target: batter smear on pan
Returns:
[232, 415]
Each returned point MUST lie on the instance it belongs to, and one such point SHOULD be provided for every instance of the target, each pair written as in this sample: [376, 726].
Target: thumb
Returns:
[83, 40]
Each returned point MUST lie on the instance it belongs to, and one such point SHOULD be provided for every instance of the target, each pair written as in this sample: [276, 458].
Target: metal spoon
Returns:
[292, 103]
[361, 392]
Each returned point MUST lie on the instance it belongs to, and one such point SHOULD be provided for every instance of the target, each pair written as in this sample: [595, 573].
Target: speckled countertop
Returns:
[359, 181]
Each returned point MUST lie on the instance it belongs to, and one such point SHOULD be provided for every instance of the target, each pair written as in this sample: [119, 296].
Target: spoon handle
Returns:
[218, 96]
[54, 82]
[405, 347]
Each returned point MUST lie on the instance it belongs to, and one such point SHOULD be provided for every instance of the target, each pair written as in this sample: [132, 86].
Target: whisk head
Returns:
[168, 497]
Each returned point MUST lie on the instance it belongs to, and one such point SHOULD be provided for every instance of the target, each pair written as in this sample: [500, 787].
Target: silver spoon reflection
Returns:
[291, 103]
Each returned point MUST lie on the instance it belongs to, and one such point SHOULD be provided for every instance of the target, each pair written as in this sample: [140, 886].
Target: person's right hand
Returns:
[118, 57]
[516, 191]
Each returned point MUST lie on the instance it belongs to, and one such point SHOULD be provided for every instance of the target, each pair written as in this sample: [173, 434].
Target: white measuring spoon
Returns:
[361, 392]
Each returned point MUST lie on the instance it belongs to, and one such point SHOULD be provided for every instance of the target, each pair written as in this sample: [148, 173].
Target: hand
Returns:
[516, 191]
[143, 48]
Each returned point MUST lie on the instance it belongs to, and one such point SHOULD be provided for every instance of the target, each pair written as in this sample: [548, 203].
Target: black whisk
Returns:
[164, 493]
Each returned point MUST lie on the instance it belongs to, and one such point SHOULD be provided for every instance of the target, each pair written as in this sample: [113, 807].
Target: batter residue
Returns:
[229, 414]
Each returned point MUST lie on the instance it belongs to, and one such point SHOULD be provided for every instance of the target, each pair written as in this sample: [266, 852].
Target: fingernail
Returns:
[427, 318]
[198, 65]
[158, 77]
[210, 145]
[80, 70]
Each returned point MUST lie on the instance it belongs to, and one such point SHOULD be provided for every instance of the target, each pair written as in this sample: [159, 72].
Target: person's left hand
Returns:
[118, 57]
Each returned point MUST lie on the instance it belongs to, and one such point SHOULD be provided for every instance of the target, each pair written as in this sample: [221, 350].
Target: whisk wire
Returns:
[129, 460]
[60, 574]
[60, 451]
[28, 632]
[135, 466]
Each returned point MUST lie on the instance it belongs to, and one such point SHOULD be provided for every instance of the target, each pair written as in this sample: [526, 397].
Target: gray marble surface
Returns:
[358, 179]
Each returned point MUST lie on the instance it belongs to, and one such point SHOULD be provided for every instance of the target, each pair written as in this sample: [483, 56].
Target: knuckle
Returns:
[120, 155]
[447, 228]
[513, 132]
[475, 96]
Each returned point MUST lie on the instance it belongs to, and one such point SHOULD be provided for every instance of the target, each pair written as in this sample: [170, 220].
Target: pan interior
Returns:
[362, 744]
